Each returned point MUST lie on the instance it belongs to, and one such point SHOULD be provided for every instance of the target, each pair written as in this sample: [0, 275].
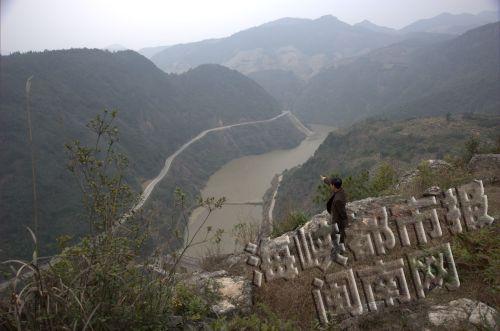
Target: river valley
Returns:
[243, 182]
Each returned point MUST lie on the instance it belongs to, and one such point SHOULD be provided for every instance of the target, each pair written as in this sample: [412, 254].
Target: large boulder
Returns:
[461, 313]
[235, 292]
[457, 315]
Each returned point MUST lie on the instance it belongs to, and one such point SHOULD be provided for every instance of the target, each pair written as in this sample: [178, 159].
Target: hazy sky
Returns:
[55, 24]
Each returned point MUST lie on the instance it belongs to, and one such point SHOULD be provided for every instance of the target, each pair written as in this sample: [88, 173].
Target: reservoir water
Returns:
[244, 181]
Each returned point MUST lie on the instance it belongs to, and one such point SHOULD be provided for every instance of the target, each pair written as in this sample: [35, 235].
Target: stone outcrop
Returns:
[456, 315]
[363, 207]
[461, 313]
[235, 292]
[398, 255]
[403, 249]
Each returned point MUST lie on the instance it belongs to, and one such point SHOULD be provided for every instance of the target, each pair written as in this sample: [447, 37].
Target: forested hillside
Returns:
[281, 84]
[368, 143]
[157, 114]
[192, 169]
[419, 76]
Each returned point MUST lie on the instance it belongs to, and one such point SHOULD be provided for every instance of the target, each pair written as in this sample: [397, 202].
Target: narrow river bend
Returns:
[243, 182]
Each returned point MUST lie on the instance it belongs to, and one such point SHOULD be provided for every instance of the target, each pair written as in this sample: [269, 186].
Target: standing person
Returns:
[336, 208]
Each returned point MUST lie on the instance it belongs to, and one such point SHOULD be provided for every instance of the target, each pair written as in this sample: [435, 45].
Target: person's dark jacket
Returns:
[336, 207]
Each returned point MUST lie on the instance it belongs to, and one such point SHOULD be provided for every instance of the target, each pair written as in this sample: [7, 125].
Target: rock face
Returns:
[235, 291]
[462, 312]
[432, 191]
[397, 257]
[359, 207]
[486, 166]
[236, 295]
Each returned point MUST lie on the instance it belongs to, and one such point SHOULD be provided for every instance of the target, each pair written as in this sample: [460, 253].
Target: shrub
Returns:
[244, 233]
[103, 282]
[361, 186]
[477, 255]
[292, 221]
[444, 178]
[189, 303]
[471, 147]
[384, 179]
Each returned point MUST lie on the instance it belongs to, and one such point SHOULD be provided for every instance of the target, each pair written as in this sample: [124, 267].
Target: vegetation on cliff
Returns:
[379, 145]
[105, 280]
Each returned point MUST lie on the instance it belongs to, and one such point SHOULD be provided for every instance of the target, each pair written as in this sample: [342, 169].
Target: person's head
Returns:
[335, 184]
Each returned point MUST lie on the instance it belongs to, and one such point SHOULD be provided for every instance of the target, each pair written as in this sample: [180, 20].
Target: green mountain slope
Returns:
[283, 85]
[157, 114]
[369, 142]
[420, 76]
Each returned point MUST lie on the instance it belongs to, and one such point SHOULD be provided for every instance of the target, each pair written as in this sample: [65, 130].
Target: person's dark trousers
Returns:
[341, 224]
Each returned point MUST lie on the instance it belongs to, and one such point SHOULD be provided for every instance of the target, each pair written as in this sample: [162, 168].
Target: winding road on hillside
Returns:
[168, 162]
[192, 263]
[186, 262]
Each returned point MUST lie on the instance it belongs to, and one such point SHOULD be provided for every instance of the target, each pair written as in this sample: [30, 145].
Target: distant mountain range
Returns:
[423, 75]
[146, 51]
[452, 24]
[374, 27]
[283, 55]
[157, 113]
[304, 46]
[149, 52]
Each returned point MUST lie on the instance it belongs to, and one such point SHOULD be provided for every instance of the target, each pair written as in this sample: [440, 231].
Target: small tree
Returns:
[385, 177]
[102, 282]
[100, 171]
[471, 147]
[448, 117]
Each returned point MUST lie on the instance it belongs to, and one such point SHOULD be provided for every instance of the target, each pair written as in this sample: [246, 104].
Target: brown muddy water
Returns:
[243, 182]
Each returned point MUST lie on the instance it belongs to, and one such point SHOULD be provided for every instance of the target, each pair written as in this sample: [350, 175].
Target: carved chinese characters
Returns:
[372, 236]
[375, 276]
[433, 268]
[337, 294]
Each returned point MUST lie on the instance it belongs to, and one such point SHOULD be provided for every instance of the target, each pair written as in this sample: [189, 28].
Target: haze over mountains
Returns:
[285, 55]
[419, 76]
[452, 24]
[304, 46]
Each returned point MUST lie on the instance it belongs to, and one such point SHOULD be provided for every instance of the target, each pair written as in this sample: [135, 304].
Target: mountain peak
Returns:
[284, 21]
[115, 48]
[366, 24]
[328, 17]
